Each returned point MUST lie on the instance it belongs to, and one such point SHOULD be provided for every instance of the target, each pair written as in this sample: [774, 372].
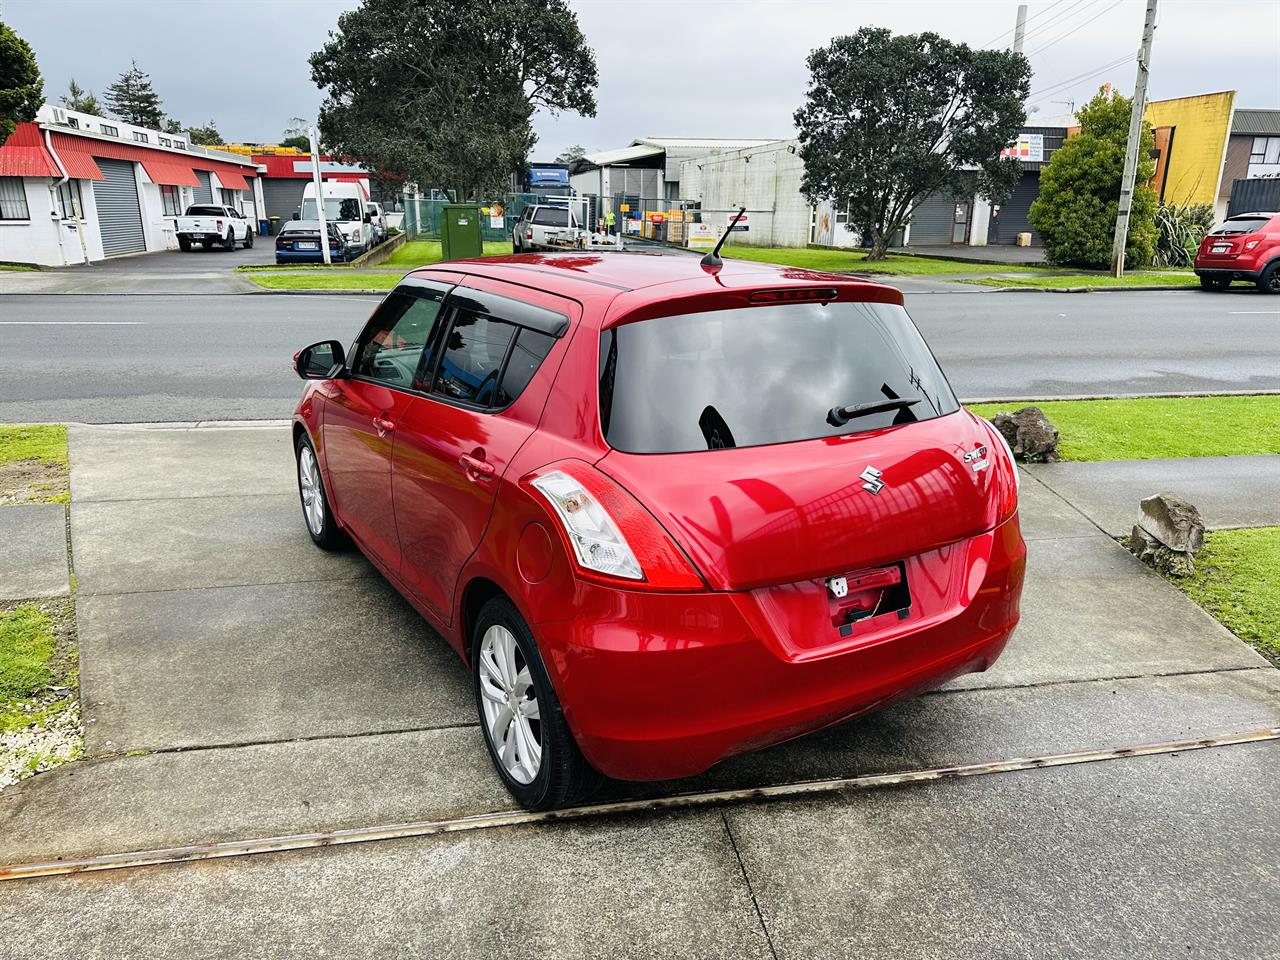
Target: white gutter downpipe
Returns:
[53, 204]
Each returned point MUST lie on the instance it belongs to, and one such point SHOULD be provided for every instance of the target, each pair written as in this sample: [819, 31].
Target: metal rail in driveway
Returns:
[511, 818]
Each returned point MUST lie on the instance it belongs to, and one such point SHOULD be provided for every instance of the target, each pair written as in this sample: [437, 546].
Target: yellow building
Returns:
[1191, 137]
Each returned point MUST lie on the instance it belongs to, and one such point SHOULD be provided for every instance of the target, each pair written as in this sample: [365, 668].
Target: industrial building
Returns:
[76, 188]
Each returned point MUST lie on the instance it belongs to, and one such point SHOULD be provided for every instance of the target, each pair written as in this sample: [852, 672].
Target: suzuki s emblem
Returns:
[871, 481]
[839, 586]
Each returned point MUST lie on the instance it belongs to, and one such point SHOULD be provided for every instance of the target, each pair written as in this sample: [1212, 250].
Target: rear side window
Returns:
[763, 375]
[551, 217]
[1242, 225]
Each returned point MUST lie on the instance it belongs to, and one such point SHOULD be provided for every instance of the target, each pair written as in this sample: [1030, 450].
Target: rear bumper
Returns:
[307, 256]
[657, 686]
[1241, 271]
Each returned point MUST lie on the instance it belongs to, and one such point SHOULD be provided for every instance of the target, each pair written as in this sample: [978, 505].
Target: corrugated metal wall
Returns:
[1249, 196]
[119, 213]
[1013, 217]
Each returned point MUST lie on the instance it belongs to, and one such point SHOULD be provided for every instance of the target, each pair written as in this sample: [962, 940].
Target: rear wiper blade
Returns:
[839, 416]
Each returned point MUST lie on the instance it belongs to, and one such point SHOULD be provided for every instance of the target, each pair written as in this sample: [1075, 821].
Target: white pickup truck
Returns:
[208, 225]
[546, 227]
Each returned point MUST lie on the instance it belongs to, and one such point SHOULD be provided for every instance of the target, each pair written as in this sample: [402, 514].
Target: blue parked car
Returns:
[299, 242]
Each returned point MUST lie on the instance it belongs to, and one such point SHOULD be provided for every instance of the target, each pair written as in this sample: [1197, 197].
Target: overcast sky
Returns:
[667, 67]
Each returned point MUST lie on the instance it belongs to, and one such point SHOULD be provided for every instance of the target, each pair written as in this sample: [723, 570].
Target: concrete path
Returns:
[1230, 491]
[279, 689]
[33, 551]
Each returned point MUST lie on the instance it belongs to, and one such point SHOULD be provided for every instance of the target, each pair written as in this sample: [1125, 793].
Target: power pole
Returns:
[1020, 28]
[318, 180]
[1135, 138]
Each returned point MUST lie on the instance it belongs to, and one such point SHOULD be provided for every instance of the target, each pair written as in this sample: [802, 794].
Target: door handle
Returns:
[383, 425]
[476, 469]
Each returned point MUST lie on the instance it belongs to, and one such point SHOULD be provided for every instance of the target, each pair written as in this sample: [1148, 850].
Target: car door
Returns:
[489, 382]
[364, 408]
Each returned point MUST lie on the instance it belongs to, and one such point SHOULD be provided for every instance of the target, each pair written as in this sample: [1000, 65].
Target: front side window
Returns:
[393, 345]
[472, 362]
[69, 206]
[763, 375]
[13, 199]
[170, 200]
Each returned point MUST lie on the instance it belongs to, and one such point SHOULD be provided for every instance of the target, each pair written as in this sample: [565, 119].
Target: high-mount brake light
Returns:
[799, 295]
[613, 538]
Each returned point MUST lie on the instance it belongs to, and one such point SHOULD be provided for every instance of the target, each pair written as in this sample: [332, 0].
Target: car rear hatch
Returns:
[1227, 242]
[721, 424]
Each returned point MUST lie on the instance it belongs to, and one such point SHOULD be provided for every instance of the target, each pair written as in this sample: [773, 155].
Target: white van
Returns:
[345, 205]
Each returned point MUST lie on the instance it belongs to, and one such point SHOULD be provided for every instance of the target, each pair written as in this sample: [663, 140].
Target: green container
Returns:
[461, 232]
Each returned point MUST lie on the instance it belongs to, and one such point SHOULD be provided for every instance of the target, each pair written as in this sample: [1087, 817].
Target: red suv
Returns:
[665, 513]
[1245, 247]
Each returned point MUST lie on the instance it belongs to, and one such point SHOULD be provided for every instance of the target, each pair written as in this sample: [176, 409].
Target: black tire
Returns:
[230, 242]
[248, 239]
[326, 534]
[564, 777]
[184, 244]
[1269, 281]
[1215, 283]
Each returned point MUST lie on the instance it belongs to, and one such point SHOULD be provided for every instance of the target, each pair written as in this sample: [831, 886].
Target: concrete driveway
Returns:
[199, 271]
[237, 683]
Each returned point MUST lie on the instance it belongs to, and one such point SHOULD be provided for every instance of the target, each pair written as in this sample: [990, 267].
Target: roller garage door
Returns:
[204, 192]
[282, 195]
[119, 215]
[931, 220]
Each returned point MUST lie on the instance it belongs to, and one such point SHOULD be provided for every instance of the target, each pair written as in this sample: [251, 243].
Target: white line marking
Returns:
[1241, 313]
[73, 323]
[512, 818]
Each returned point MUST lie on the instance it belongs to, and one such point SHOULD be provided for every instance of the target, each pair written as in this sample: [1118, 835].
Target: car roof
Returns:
[629, 281]
[1253, 213]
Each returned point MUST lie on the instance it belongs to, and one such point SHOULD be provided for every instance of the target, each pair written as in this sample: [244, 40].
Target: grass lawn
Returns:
[18, 267]
[317, 280]
[1094, 280]
[845, 260]
[1157, 427]
[416, 253]
[39, 715]
[33, 464]
[1236, 580]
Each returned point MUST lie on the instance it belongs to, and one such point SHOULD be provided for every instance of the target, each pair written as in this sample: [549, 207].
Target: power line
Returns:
[1041, 95]
[1001, 36]
[1080, 26]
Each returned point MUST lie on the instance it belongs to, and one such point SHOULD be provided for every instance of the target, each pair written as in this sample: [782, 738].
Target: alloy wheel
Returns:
[309, 484]
[510, 702]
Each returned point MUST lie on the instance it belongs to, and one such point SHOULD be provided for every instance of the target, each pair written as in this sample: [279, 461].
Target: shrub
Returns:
[1075, 212]
[1181, 228]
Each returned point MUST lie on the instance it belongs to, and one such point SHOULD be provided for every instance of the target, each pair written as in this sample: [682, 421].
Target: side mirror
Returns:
[321, 361]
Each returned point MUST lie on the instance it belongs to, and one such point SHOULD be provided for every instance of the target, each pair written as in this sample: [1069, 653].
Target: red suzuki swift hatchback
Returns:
[665, 513]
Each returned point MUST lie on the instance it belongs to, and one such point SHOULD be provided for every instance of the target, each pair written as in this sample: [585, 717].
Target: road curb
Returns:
[1142, 289]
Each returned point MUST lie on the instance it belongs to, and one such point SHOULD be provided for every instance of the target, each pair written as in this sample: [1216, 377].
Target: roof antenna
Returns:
[712, 259]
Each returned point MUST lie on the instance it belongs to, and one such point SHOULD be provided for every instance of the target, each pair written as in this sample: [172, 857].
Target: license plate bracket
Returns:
[867, 594]
[1220, 248]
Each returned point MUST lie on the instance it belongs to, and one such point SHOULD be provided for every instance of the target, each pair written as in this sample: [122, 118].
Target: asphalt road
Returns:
[102, 359]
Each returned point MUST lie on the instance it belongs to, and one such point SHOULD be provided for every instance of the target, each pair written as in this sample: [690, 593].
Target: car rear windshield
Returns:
[551, 217]
[206, 212]
[1242, 225]
[760, 375]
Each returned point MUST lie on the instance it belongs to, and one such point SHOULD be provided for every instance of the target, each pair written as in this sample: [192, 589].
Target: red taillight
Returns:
[1005, 476]
[611, 537]
[528, 234]
[219, 224]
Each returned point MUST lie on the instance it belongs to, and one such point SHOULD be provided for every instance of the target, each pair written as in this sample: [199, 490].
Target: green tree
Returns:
[889, 120]
[21, 89]
[571, 153]
[443, 93]
[206, 136]
[80, 99]
[297, 142]
[132, 99]
[1075, 212]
